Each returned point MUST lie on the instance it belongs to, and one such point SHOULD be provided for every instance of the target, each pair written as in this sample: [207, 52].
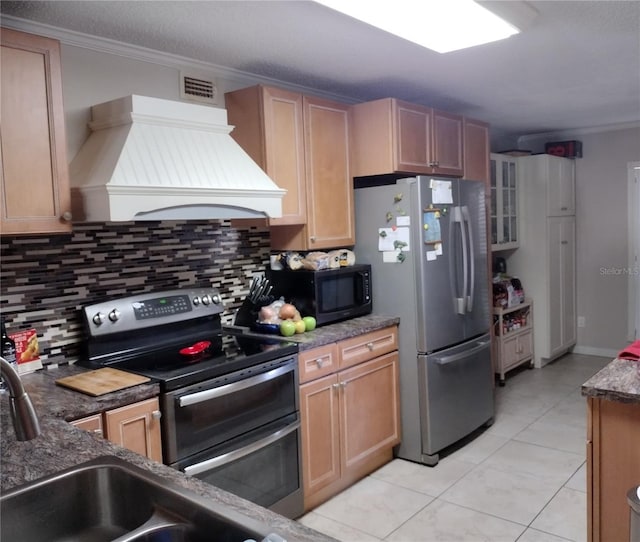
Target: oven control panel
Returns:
[152, 309]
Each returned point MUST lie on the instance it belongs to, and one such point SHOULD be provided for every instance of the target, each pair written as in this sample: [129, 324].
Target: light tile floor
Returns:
[523, 479]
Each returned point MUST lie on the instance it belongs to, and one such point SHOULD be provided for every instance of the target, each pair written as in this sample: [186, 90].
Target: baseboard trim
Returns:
[593, 351]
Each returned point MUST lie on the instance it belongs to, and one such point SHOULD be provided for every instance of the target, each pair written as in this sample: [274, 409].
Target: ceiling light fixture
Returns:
[439, 25]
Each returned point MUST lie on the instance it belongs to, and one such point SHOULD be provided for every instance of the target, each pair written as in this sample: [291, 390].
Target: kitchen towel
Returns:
[631, 352]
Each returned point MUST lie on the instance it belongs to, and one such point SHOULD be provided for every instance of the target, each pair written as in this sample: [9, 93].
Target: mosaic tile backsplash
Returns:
[45, 281]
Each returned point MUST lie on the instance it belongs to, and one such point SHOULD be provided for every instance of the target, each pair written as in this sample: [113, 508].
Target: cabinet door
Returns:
[476, 150]
[503, 186]
[561, 186]
[413, 140]
[370, 412]
[319, 414]
[35, 195]
[562, 313]
[613, 467]
[284, 146]
[330, 212]
[268, 125]
[448, 147]
[136, 427]
[568, 274]
[92, 424]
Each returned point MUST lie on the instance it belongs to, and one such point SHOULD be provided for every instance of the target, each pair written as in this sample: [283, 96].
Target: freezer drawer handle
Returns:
[462, 355]
[213, 393]
[224, 459]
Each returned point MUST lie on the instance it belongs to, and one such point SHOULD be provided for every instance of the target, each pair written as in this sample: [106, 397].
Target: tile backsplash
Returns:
[46, 280]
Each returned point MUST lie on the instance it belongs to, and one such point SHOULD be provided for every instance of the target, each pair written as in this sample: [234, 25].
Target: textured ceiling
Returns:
[577, 66]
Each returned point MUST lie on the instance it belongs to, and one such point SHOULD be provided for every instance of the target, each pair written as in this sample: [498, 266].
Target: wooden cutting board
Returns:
[101, 381]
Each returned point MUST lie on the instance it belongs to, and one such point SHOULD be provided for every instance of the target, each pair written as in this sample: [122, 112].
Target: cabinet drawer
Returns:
[367, 346]
[320, 361]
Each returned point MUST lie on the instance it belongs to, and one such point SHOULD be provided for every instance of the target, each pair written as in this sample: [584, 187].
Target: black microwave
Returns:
[329, 295]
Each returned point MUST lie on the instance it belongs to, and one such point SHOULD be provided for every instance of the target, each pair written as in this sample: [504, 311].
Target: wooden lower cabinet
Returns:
[350, 418]
[613, 467]
[135, 427]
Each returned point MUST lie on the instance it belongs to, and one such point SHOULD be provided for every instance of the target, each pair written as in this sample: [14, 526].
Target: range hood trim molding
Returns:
[153, 159]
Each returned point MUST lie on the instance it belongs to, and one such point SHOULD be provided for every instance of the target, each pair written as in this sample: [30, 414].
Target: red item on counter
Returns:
[631, 352]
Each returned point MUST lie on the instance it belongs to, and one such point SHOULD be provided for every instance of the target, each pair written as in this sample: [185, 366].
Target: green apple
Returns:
[287, 328]
[309, 323]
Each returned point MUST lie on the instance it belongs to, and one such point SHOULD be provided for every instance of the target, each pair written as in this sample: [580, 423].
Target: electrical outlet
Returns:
[582, 321]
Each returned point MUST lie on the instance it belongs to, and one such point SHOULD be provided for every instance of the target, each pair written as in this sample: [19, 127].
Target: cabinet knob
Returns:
[434, 163]
[370, 347]
[343, 385]
[156, 414]
[564, 242]
[97, 432]
[67, 216]
[336, 386]
[312, 238]
[319, 363]
[563, 208]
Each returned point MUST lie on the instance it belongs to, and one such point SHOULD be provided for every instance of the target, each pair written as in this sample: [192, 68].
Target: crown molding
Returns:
[135, 52]
[580, 131]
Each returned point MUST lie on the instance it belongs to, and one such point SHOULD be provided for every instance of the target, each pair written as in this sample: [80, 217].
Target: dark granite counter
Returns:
[618, 381]
[62, 446]
[335, 332]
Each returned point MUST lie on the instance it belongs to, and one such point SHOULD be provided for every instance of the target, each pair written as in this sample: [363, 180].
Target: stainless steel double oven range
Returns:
[229, 402]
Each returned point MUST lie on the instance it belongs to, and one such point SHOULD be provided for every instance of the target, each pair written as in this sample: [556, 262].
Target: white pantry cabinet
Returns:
[545, 261]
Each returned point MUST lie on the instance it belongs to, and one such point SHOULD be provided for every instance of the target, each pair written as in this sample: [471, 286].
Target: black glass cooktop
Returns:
[181, 355]
[186, 364]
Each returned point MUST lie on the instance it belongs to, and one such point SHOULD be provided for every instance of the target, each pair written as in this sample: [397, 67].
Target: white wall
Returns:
[602, 233]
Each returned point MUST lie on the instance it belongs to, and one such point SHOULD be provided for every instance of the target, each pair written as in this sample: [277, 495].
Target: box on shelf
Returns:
[567, 149]
[507, 292]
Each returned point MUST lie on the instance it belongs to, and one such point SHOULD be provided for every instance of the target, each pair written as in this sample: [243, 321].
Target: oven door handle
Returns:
[213, 393]
[224, 459]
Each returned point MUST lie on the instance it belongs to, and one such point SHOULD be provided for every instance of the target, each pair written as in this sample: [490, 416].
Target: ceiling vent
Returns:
[198, 88]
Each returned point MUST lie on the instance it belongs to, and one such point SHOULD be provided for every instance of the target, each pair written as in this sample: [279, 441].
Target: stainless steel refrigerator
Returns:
[426, 241]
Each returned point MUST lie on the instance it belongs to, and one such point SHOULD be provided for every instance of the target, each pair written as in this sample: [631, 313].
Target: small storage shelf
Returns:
[513, 337]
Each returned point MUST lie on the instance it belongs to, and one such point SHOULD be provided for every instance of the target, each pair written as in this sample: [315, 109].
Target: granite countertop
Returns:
[334, 332]
[62, 445]
[618, 381]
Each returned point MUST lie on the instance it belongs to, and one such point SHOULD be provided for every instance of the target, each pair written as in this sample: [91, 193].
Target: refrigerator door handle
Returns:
[458, 220]
[471, 261]
[445, 360]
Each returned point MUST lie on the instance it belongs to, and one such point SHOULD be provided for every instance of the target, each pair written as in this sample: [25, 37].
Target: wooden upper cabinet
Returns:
[392, 136]
[330, 207]
[35, 195]
[269, 127]
[302, 143]
[476, 150]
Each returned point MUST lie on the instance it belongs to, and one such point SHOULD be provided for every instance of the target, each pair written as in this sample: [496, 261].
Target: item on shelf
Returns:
[566, 149]
[507, 292]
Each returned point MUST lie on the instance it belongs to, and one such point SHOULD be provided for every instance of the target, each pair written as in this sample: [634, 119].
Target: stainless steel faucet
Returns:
[23, 415]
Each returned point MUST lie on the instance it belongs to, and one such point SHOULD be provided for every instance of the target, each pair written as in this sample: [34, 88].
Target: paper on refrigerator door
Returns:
[441, 191]
[393, 239]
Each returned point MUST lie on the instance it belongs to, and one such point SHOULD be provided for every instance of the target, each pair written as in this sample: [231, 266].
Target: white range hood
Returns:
[153, 159]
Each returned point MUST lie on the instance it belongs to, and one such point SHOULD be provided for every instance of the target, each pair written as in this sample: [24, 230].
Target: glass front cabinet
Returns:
[504, 202]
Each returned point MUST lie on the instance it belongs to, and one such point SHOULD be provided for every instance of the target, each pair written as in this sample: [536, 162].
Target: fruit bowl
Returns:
[272, 329]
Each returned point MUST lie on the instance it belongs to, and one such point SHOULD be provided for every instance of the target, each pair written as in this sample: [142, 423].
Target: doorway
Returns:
[634, 251]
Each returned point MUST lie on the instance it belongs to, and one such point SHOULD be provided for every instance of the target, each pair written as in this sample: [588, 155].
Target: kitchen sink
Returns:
[109, 499]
